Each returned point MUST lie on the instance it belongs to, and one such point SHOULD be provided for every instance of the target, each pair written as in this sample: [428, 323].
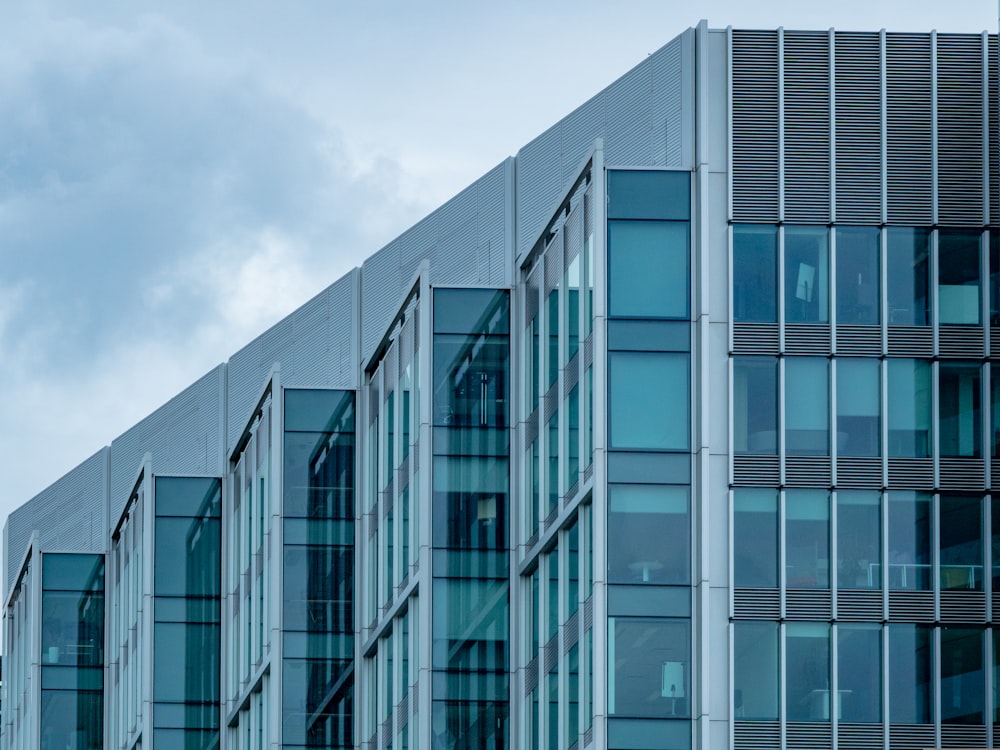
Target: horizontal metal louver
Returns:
[403, 708]
[859, 605]
[859, 736]
[807, 471]
[911, 606]
[588, 351]
[756, 471]
[860, 341]
[995, 601]
[911, 736]
[995, 473]
[807, 735]
[531, 428]
[807, 338]
[807, 604]
[588, 613]
[571, 631]
[550, 655]
[956, 735]
[909, 153]
[755, 338]
[994, 130]
[756, 735]
[858, 128]
[588, 737]
[963, 474]
[963, 606]
[911, 474]
[910, 341]
[755, 125]
[550, 403]
[960, 129]
[588, 473]
[853, 471]
[551, 518]
[961, 341]
[756, 604]
[807, 126]
[995, 341]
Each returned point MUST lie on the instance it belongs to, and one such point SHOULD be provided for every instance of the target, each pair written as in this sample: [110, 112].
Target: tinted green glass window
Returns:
[910, 398]
[318, 410]
[72, 719]
[859, 406]
[649, 394]
[807, 406]
[67, 572]
[961, 537]
[188, 496]
[908, 276]
[648, 534]
[859, 540]
[648, 667]
[909, 541]
[807, 539]
[858, 275]
[755, 538]
[963, 678]
[807, 671]
[649, 194]
[755, 671]
[755, 273]
[958, 276]
[755, 405]
[807, 275]
[859, 659]
[910, 660]
[186, 662]
[470, 311]
[960, 409]
[648, 269]
[187, 557]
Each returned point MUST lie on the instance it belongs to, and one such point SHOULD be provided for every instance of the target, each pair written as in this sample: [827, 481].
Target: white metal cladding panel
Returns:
[494, 199]
[960, 129]
[755, 125]
[576, 137]
[70, 515]
[184, 436]
[341, 331]
[859, 128]
[667, 105]
[807, 126]
[380, 289]
[994, 133]
[540, 182]
[627, 116]
[908, 122]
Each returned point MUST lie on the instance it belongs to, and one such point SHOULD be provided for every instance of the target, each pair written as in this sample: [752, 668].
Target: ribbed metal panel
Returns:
[807, 604]
[911, 736]
[588, 613]
[807, 126]
[531, 676]
[911, 606]
[807, 338]
[910, 341]
[859, 128]
[808, 735]
[911, 474]
[667, 105]
[994, 118]
[70, 516]
[995, 341]
[963, 474]
[857, 605]
[961, 341]
[854, 471]
[859, 736]
[807, 471]
[960, 129]
[550, 654]
[860, 341]
[627, 114]
[756, 604]
[588, 737]
[571, 632]
[908, 121]
[963, 606]
[756, 735]
[957, 735]
[755, 125]
[995, 478]
[184, 436]
[756, 471]
[755, 338]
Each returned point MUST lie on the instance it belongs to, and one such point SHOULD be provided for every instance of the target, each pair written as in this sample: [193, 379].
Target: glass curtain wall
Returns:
[317, 702]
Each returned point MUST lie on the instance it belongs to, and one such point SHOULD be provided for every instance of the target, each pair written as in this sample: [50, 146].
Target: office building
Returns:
[676, 429]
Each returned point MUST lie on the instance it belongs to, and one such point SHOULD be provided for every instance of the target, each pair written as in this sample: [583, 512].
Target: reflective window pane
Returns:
[755, 273]
[807, 275]
[648, 269]
[961, 534]
[807, 671]
[910, 402]
[859, 660]
[648, 534]
[755, 538]
[649, 401]
[755, 670]
[859, 540]
[958, 276]
[859, 404]
[648, 667]
[909, 541]
[910, 673]
[963, 679]
[807, 406]
[755, 405]
[649, 194]
[807, 539]
[858, 276]
[960, 409]
[908, 276]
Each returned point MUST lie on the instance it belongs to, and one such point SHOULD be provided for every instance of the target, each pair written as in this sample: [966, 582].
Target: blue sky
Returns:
[175, 179]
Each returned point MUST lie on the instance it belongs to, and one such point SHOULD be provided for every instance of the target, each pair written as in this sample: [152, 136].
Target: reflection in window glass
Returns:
[648, 269]
[648, 534]
[995, 409]
[649, 401]
[807, 275]
[807, 671]
[961, 534]
[755, 538]
[910, 673]
[995, 540]
[963, 680]
[859, 540]
[958, 276]
[807, 406]
[755, 405]
[648, 667]
[960, 410]
[649, 194]
[910, 401]
[909, 541]
[858, 276]
[755, 273]
[807, 539]
[908, 276]
[755, 670]
[859, 660]
[994, 239]
[859, 427]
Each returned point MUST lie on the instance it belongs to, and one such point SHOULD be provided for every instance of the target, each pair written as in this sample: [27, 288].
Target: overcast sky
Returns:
[173, 181]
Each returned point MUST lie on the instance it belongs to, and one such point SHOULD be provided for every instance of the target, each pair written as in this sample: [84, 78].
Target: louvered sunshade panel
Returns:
[755, 125]
[909, 108]
[807, 127]
[994, 132]
[960, 129]
[859, 128]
